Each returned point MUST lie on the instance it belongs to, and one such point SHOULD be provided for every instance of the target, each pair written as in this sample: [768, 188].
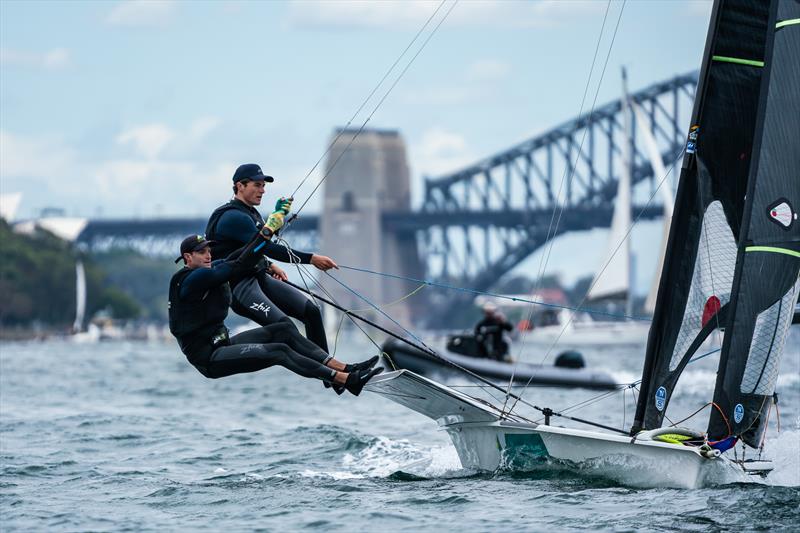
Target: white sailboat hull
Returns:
[485, 442]
[590, 334]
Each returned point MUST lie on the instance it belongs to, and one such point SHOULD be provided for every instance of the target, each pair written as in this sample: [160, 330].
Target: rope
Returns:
[493, 294]
[368, 98]
[390, 304]
[369, 117]
[624, 238]
[546, 256]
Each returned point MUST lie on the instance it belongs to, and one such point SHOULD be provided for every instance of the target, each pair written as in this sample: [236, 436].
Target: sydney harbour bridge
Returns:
[477, 223]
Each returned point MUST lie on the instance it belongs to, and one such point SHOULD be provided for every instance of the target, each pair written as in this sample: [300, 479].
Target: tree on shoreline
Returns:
[37, 281]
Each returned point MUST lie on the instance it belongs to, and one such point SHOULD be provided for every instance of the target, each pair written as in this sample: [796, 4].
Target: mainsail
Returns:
[614, 280]
[766, 282]
[660, 173]
[80, 297]
[740, 167]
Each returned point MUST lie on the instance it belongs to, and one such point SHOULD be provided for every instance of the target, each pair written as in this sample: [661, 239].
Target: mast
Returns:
[688, 167]
[697, 281]
[762, 305]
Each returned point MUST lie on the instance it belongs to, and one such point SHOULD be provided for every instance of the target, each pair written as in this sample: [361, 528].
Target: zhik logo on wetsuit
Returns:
[258, 306]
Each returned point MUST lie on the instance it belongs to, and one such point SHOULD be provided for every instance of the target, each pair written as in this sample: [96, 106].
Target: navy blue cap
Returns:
[193, 243]
[252, 172]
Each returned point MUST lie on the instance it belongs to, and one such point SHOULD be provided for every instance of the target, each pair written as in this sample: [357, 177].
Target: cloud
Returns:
[142, 13]
[403, 15]
[440, 151]
[55, 59]
[33, 157]
[149, 140]
[202, 126]
[699, 8]
[488, 69]
[51, 172]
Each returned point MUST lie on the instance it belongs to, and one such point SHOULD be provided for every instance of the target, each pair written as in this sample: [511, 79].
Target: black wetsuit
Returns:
[198, 305]
[260, 297]
[489, 334]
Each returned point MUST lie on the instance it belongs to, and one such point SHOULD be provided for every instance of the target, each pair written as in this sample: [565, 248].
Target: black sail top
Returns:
[711, 224]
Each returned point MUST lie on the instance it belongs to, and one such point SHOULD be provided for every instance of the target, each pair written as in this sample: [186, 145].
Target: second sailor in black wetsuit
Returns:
[199, 296]
[261, 297]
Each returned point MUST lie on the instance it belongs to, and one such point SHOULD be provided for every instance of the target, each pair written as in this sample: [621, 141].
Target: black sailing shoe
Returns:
[363, 365]
[357, 380]
[338, 389]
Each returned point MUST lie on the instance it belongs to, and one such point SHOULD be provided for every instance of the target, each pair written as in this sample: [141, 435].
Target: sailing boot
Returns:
[338, 389]
[363, 365]
[357, 380]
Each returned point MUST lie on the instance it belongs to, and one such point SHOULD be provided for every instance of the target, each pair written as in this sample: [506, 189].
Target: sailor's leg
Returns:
[243, 358]
[250, 302]
[295, 304]
[284, 332]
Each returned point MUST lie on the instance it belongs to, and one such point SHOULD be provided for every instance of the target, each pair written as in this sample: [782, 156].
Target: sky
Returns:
[144, 108]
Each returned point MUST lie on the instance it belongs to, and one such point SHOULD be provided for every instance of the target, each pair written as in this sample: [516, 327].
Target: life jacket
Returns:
[222, 247]
[197, 321]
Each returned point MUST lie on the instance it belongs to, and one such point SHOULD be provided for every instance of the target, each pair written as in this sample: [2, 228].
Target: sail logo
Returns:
[738, 413]
[781, 213]
[661, 398]
[691, 143]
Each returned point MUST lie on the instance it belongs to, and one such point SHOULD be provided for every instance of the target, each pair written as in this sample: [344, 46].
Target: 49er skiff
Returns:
[732, 265]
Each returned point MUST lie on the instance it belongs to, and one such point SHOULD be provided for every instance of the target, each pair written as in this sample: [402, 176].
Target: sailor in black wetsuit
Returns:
[489, 333]
[263, 297]
[199, 296]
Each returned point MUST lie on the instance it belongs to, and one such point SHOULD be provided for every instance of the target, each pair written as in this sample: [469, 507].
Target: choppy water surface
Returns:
[118, 436]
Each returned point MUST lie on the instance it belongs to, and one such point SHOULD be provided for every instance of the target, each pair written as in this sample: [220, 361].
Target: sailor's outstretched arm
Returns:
[222, 271]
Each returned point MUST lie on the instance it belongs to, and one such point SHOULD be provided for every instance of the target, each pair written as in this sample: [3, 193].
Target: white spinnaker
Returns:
[659, 172]
[614, 280]
[80, 296]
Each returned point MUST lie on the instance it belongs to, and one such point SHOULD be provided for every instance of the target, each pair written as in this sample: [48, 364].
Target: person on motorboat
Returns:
[263, 297]
[199, 298]
[489, 333]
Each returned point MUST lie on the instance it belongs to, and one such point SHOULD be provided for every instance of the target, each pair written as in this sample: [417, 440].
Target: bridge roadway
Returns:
[575, 219]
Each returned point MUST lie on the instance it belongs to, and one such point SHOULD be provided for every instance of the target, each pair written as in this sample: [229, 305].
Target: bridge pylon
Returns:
[367, 176]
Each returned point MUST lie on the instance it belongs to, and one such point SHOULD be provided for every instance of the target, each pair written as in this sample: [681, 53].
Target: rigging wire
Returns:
[369, 117]
[549, 236]
[625, 237]
[495, 295]
[425, 348]
[632, 386]
[549, 249]
[369, 97]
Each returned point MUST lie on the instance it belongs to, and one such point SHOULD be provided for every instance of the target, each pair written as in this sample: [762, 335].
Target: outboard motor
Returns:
[570, 359]
[464, 344]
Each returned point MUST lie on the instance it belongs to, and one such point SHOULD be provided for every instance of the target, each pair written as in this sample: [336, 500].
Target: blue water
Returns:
[127, 436]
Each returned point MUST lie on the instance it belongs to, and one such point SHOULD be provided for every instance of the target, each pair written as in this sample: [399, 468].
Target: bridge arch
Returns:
[487, 218]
